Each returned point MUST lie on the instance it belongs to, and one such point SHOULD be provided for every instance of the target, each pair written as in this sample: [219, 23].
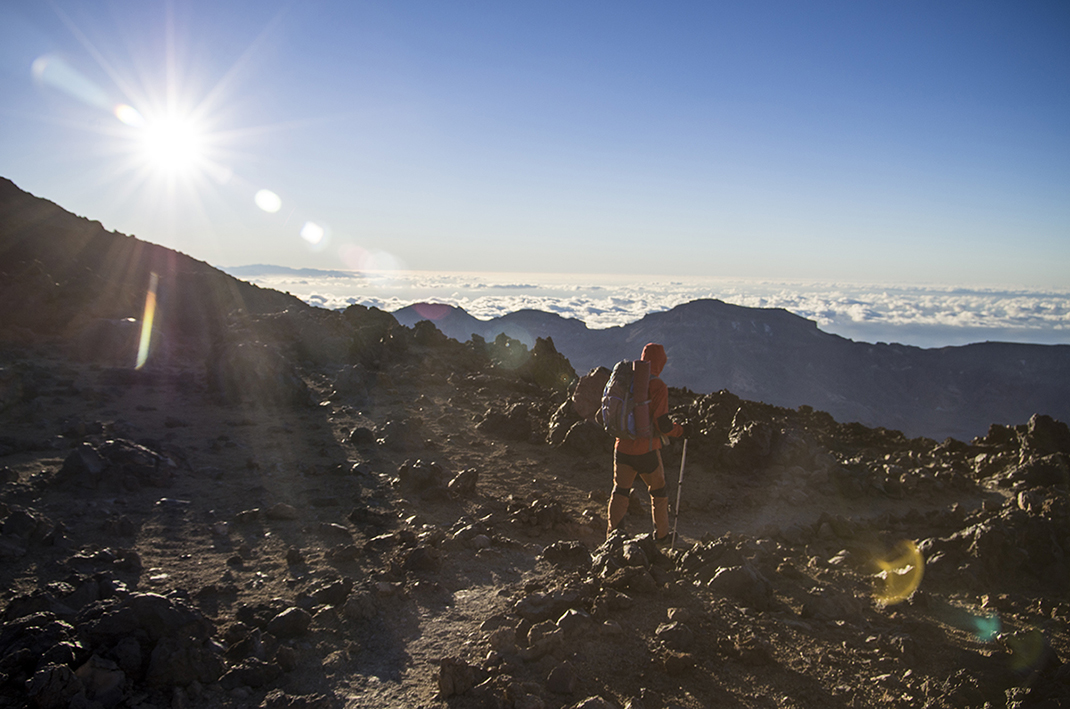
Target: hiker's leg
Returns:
[623, 479]
[659, 499]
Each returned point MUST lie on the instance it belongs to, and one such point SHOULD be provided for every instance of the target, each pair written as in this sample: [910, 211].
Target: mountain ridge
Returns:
[775, 356]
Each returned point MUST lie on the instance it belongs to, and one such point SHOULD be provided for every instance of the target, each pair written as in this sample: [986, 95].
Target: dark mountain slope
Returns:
[61, 274]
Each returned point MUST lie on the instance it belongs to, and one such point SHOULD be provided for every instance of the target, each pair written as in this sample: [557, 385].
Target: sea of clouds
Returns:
[924, 316]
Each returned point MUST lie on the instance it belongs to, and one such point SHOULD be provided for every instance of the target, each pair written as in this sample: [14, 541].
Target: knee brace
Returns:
[623, 491]
[660, 492]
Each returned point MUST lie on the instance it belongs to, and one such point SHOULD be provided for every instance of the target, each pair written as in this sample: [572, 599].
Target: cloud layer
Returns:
[926, 316]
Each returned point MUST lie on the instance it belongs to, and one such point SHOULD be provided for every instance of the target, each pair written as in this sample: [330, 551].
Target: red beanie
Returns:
[655, 354]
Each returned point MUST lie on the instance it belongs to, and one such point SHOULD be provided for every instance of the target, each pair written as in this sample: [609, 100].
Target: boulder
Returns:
[750, 444]
[1044, 436]
[281, 511]
[425, 334]
[21, 524]
[151, 614]
[675, 636]
[103, 680]
[464, 483]
[120, 462]
[290, 623]
[587, 438]
[330, 593]
[574, 620]
[361, 606]
[562, 679]
[1041, 471]
[567, 554]
[635, 579]
[181, 660]
[418, 475]
[539, 607]
[547, 367]
[421, 559]
[455, 676]
[83, 465]
[362, 436]
[53, 687]
[132, 459]
[743, 584]
[563, 418]
[33, 641]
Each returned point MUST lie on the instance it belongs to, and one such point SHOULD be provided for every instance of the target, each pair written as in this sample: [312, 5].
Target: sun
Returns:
[168, 143]
[173, 144]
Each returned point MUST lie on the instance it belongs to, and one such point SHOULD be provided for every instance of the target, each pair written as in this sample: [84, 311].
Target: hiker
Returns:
[642, 456]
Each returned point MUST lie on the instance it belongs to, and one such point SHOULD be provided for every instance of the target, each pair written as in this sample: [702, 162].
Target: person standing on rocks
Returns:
[642, 456]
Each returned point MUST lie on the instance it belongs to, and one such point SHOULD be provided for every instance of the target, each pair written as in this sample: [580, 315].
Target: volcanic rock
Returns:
[464, 483]
[744, 584]
[252, 672]
[290, 623]
[563, 679]
[511, 423]
[455, 676]
[53, 687]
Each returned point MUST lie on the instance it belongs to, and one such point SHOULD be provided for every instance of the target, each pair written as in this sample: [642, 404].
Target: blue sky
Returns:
[907, 142]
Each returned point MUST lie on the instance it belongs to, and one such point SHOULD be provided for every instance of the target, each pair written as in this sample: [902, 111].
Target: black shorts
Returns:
[643, 464]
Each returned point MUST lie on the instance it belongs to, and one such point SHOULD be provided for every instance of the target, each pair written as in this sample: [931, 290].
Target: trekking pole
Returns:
[679, 487]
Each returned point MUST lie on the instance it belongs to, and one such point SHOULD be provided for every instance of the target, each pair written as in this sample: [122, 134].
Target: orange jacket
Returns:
[659, 407]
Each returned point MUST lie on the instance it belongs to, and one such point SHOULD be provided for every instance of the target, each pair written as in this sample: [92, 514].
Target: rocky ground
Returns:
[349, 513]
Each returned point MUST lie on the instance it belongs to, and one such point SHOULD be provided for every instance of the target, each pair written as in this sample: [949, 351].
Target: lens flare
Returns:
[900, 574]
[1029, 650]
[146, 322]
[312, 233]
[361, 259]
[129, 115]
[987, 627]
[53, 70]
[268, 201]
[432, 311]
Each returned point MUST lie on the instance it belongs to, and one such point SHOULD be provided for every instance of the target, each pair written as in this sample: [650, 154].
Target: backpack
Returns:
[587, 397]
[625, 407]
